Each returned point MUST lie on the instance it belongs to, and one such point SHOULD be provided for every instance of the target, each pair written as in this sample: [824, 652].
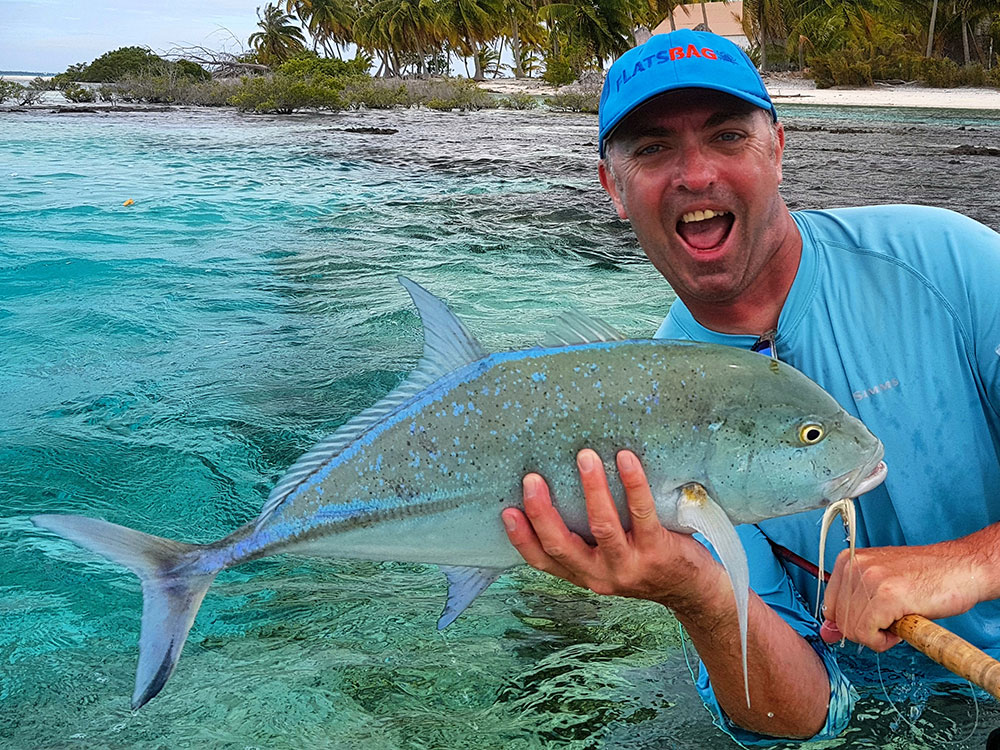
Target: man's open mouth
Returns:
[705, 229]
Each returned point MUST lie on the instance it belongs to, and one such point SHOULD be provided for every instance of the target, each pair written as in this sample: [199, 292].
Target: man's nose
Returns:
[696, 170]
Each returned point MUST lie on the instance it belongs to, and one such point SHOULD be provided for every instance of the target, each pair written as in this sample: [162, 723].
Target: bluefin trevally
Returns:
[726, 436]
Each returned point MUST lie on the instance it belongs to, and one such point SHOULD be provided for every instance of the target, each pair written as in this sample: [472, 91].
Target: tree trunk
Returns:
[704, 15]
[515, 45]
[763, 39]
[930, 33]
[641, 35]
[477, 62]
[965, 38]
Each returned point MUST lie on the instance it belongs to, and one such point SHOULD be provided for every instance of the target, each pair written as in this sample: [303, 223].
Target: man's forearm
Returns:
[789, 684]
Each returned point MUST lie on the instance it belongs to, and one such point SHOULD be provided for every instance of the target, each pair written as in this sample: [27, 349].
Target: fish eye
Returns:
[811, 433]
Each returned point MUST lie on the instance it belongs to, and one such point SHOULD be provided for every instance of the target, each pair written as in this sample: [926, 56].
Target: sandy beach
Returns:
[795, 90]
[791, 89]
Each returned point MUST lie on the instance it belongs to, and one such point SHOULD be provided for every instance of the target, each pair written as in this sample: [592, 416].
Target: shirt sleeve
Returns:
[769, 580]
[984, 306]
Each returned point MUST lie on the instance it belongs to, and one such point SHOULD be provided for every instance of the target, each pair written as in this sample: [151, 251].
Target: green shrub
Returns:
[120, 62]
[858, 66]
[191, 71]
[558, 72]
[574, 101]
[840, 68]
[30, 94]
[129, 62]
[73, 73]
[284, 94]
[9, 90]
[460, 93]
[519, 100]
[170, 89]
[20, 95]
[78, 94]
[310, 64]
[376, 93]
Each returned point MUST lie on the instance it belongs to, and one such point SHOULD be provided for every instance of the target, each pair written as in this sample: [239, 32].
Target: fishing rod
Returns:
[937, 643]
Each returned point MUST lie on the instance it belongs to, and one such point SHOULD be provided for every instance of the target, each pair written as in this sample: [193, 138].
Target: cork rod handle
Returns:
[950, 651]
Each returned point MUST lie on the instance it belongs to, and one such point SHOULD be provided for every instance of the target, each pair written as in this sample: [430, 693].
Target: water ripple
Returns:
[162, 363]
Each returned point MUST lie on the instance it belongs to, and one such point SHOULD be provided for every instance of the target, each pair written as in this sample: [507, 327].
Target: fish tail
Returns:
[172, 589]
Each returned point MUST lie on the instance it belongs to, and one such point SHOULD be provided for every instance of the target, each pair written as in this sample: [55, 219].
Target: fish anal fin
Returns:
[698, 511]
[464, 585]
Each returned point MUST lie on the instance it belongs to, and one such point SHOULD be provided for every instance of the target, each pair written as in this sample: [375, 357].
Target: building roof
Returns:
[723, 18]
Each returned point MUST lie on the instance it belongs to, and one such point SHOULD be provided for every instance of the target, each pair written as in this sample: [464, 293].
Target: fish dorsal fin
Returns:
[575, 327]
[464, 585]
[448, 345]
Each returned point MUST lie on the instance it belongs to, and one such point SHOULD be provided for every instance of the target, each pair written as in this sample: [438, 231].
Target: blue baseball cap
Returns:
[682, 59]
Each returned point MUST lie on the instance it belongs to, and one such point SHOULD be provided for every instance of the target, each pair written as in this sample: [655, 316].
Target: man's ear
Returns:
[609, 185]
[779, 149]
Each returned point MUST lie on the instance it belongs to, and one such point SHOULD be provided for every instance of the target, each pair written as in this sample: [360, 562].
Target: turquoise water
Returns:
[162, 363]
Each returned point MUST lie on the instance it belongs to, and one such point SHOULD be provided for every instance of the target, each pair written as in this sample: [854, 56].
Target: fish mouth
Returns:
[863, 479]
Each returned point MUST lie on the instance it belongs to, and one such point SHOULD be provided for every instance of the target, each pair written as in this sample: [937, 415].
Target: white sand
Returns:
[789, 89]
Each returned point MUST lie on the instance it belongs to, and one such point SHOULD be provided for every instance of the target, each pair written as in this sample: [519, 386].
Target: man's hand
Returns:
[883, 584]
[788, 681]
[646, 562]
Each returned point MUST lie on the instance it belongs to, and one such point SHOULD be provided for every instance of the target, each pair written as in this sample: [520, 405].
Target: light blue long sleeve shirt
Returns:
[895, 310]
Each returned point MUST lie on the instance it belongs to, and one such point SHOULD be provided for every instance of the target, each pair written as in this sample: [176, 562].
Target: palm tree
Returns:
[394, 28]
[471, 24]
[523, 30]
[278, 39]
[930, 32]
[327, 20]
[602, 27]
[763, 22]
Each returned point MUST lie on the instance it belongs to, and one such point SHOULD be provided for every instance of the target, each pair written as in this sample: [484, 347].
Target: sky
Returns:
[47, 36]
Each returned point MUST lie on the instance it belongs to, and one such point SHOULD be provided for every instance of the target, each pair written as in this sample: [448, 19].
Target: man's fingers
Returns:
[855, 613]
[646, 525]
[558, 542]
[605, 525]
[526, 542]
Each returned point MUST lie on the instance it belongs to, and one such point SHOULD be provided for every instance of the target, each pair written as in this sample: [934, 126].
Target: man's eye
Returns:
[730, 137]
[650, 149]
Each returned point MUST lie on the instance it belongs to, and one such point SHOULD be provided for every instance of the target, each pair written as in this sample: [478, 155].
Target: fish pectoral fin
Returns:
[464, 585]
[699, 512]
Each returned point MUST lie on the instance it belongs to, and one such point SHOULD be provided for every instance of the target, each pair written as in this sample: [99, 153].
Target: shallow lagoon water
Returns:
[162, 363]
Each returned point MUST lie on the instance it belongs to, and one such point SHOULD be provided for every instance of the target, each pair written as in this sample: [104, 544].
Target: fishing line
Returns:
[694, 680]
[885, 692]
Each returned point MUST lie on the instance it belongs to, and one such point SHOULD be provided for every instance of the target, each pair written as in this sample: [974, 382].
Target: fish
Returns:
[726, 436]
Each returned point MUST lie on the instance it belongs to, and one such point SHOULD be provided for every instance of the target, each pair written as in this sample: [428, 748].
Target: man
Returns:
[895, 310]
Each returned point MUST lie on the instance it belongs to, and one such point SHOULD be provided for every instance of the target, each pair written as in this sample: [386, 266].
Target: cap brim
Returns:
[677, 86]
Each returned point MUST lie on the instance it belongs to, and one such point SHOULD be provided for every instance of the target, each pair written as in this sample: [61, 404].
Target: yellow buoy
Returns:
[129, 202]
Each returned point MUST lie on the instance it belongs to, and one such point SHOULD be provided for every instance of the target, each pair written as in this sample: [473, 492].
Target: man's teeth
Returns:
[701, 215]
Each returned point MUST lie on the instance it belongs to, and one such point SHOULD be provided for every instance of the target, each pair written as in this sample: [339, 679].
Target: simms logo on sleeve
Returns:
[666, 55]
